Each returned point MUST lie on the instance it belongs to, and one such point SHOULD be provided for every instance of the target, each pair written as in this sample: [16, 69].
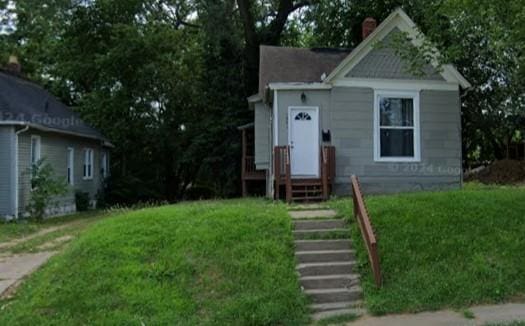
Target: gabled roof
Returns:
[286, 64]
[397, 19]
[23, 102]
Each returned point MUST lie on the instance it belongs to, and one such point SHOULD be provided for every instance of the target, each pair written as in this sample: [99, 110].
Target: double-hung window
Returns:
[36, 143]
[396, 126]
[88, 163]
[70, 166]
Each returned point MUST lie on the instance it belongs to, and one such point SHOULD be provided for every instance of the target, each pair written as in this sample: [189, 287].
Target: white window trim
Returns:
[91, 161]
[71, 168]
[417, 132]
[38, 151]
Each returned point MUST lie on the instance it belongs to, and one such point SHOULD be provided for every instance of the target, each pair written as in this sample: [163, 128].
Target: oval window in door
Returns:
[302, 116]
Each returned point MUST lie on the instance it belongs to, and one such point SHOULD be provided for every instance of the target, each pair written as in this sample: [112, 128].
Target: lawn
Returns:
[216, 263]
[445, 249]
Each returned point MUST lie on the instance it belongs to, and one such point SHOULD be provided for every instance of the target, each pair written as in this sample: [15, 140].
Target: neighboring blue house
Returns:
[34, 125]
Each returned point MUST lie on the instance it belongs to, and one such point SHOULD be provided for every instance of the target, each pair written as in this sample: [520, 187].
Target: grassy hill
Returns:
[223, 262]
[445, 249]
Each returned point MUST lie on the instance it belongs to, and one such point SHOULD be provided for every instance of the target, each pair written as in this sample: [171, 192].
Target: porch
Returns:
[286, 185]
[294, 188]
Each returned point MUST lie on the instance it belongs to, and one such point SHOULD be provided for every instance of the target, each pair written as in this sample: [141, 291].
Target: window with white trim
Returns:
[36, 143]
[88, 163]
[396, 126]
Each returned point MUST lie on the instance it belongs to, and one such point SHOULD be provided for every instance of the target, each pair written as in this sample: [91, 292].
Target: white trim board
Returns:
[298, 86]
[400, 20]
[396, 84]
[417, 126]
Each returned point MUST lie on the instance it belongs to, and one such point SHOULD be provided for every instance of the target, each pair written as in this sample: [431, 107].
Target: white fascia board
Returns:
[398, 19]
[254, 98]
[298, 86]
[396, 84]
[47, 129]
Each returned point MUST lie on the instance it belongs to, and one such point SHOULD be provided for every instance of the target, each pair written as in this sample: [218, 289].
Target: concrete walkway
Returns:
[489, 314]
[14, 268]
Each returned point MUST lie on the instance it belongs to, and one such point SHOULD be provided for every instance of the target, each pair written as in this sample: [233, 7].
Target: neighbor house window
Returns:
[396, 126]
[88, 163]
[104, 165]
[35, 149]
[70, 166]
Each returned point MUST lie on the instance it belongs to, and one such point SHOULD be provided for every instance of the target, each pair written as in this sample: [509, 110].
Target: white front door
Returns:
[303, 135]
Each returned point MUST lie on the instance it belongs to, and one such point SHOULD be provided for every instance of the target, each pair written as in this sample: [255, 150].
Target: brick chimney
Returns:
[369, 25]
[13, 65]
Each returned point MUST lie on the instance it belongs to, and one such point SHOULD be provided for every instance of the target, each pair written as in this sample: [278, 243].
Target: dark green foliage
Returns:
[45, 187]
[199, 192]
[82, 201]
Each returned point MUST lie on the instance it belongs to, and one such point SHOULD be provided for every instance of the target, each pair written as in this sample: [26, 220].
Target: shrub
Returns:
[199, 192]
[44, 186]
[82, 201]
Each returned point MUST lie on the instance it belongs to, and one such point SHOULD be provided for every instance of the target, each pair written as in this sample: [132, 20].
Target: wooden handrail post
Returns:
[363, 220]
[277, 170]
[324, 171]
[288, 176]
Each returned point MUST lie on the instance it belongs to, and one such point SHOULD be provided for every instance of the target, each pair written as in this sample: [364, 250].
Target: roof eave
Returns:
[47, 129]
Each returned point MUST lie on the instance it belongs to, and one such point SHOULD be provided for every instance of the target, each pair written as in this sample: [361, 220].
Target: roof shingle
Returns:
[23, 101]
[286, 64]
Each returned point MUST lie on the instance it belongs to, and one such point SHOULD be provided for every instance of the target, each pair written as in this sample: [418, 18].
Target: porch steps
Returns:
[307, 190]
[326, 265]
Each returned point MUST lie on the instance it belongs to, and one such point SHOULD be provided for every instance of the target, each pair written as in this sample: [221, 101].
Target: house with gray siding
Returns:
[322, 115]
[34, 125]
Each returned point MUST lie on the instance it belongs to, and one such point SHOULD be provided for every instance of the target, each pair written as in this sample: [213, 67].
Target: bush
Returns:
[44, 186]
[199, 192]
[82, 201]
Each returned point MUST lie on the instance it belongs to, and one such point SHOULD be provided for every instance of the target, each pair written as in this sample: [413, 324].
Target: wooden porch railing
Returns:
[282, 169]
[361, 215]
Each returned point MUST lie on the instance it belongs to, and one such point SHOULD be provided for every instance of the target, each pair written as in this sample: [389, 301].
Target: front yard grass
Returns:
[24, 227]
[216, 262]
[444, 249]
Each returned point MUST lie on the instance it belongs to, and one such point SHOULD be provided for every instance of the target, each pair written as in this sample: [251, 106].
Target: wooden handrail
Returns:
[324, 171]
[361, 215]
[288, 176]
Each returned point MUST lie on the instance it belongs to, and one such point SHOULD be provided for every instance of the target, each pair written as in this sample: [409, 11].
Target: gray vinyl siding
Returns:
[54, 149]
[352, 135]
[316, 98]
[6, 170]
[384, 62]
[262, 136]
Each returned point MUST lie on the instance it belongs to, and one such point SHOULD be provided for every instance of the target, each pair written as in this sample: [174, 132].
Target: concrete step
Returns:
[329, 281]
[320, 256]
[333, 313]
[336, 244]
[319, 224]
[330, 268]
[314, 213]
[307, 234]
[320, 307]
[335, 295]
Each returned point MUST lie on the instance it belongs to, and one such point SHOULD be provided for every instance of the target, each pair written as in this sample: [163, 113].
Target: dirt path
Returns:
[15, 267]
[11, 243]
